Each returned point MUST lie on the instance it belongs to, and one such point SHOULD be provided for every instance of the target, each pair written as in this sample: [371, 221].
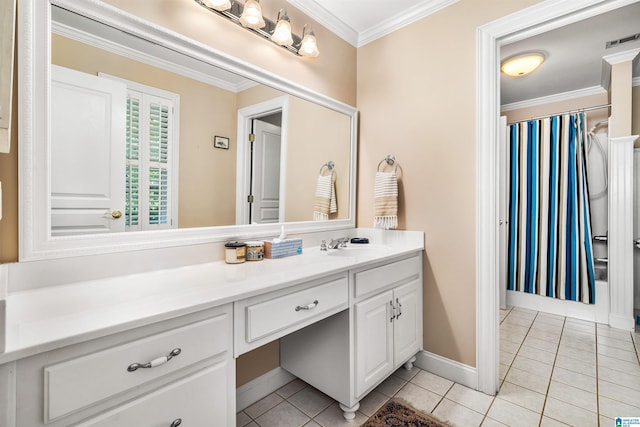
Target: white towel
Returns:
[385, 201]
[325, 200]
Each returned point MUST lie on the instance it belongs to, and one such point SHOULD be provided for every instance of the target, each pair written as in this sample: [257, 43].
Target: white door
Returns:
[266, 173]
[374, 341]
[88, 116]
[407, 333]
[503, 213]
[636, 219]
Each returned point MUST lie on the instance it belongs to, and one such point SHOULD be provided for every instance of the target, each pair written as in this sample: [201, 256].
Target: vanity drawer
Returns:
[267, 317]
[77, 383]
[197, 400]
[369, 281]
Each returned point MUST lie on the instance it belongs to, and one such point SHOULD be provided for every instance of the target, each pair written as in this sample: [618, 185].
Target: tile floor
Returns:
[554, 371]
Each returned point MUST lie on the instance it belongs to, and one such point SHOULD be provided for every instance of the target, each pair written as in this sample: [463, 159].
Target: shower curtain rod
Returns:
[579, 110]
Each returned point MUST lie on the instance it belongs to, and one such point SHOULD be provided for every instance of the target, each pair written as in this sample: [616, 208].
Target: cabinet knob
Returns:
[176, 422]
[116, 214]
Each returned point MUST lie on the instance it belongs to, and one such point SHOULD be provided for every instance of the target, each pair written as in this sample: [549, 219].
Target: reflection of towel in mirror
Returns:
[385, 200]
[325, 201]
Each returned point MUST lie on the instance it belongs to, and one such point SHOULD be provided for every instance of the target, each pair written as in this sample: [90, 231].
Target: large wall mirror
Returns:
[136, 137]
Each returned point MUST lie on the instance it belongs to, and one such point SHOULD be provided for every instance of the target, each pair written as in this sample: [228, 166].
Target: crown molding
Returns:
[402, 19]
[624, 56]
[327, 19]
[558, 97]
[314, 10]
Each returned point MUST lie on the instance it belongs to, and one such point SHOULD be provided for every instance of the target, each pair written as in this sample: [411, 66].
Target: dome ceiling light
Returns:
[522, 64]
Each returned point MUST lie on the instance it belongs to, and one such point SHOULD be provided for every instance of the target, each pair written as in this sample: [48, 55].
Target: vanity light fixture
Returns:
[249, 16]
[522, 64]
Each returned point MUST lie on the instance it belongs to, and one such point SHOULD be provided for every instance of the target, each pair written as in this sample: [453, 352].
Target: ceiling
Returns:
[573, 53]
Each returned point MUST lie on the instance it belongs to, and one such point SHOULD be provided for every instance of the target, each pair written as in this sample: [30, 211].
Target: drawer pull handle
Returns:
[308, 306]
[176, 422]
[399, 308]
[155, 362]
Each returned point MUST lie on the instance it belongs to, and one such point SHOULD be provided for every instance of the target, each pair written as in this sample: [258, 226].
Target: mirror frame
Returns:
[34, 54]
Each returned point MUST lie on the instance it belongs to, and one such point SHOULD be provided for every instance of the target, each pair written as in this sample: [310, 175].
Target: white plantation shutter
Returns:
[132, 191]
[151, 158]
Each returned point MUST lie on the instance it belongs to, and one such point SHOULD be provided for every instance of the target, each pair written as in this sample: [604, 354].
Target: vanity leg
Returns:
[409, 365]
[349, 412]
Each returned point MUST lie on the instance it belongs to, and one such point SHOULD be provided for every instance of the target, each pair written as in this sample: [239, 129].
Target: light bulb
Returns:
[219, 5]
[252, 15]
[309, 45]
[282, 33]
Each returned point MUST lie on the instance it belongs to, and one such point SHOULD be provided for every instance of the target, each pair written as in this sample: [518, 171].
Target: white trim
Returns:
[402, 18]
[558, 97]
[620, 232]
[33, 126]
[245, 115]
[258, 388]
[447, 368]
[539, 18]
[624, 56]
[144, 57]
[327, 19]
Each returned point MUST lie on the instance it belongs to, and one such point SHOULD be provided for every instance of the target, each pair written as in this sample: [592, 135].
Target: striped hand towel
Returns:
[385, 201]
[325, 201]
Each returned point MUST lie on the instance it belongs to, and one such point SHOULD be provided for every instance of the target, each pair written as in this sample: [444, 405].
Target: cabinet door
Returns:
[407, 326]
[374, 340]
[198, 400]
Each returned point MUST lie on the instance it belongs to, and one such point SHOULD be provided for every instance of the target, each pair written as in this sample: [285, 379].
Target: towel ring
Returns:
[329, 165]
[390, 160]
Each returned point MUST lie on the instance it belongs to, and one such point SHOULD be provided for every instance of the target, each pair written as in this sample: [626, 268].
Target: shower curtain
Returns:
[550, 250]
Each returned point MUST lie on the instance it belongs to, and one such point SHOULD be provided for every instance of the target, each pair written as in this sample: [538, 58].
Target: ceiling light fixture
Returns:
[249, 16]
[522, 64]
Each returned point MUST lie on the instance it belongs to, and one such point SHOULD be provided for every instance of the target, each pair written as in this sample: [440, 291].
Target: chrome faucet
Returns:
[338, 243]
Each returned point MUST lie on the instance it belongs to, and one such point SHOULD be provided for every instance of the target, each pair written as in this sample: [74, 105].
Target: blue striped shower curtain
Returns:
[550, 250]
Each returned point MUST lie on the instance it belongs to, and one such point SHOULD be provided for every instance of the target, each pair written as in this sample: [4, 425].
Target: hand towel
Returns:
[325, 200]
[385, 201]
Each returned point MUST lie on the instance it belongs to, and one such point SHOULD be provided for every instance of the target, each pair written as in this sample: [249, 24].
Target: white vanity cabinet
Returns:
[350, 353]
[387, 327]
[179, 371]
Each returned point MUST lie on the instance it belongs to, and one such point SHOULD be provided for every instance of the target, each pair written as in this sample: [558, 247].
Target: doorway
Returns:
[261, 162]
[534, 20]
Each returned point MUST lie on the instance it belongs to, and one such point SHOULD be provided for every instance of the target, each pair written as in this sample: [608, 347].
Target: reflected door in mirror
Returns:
[87, 171]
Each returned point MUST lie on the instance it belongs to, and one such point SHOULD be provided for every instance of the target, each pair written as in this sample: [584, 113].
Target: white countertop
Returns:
[45, 319]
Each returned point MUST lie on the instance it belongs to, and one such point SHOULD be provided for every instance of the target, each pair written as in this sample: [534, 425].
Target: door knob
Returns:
[116, 214]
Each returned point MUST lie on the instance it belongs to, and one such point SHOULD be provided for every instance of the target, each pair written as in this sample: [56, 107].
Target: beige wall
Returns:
[416, 97]
[318, 135]
[206, 192]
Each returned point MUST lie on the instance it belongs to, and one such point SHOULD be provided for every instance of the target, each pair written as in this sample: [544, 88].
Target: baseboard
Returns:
[621, 322]
[249, 393]
[447, 368]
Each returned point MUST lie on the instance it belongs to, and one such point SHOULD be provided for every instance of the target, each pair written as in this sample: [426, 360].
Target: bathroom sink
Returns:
[359, 251]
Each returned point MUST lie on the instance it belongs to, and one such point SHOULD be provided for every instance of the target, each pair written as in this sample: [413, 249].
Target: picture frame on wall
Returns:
[221, 142]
